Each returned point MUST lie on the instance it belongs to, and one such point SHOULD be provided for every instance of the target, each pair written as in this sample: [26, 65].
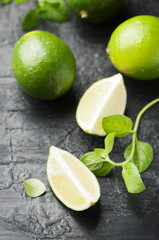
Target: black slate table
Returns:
[28, 128]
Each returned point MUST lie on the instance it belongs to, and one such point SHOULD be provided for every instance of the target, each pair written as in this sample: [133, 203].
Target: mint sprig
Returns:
[132, 178]
[53, 10]
[138, 155]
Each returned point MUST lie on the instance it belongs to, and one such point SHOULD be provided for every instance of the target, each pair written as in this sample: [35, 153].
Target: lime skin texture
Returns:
[134, 47]
[95, 11]
[43, 65]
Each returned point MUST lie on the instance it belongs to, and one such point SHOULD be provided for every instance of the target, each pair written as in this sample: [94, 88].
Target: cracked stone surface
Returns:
[28, 128]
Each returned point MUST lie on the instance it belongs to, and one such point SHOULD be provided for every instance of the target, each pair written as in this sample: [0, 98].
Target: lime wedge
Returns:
[71, 181]
[103, 98]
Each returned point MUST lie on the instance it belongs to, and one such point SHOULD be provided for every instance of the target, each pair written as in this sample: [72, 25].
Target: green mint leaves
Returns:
[138, 155]
[132, 178]
[34, 187]
[118, 124]
[97, 162]
[142, 156]
[30, 20]
[53, 10]
[109, 142]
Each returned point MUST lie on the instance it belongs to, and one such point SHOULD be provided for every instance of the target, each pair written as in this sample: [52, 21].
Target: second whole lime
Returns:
[134, 47]
[95, 11]
[43, 65]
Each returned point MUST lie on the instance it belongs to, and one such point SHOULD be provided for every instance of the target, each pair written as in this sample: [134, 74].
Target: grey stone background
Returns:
[28, 128]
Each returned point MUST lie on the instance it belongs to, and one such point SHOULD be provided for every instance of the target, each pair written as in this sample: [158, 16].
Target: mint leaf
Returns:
[30, 20]
[55, 12]
[118, 124]
[34, 187]
[132, 178]
[104, 170]
[92, 161]
[100, 152]
[54, 3]
[21, 1]
[96, 164]
[109, 142]
[3, 2]
[142, 157]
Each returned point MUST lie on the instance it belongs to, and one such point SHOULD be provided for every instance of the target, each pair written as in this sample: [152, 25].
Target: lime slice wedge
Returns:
[103, 98]
[71, 181]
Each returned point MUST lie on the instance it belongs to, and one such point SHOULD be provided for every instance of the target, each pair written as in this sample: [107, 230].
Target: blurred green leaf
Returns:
[54, 11]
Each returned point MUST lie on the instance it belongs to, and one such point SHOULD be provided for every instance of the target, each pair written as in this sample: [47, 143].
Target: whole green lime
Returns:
[95, 11]
[134, 47]
[43, 65]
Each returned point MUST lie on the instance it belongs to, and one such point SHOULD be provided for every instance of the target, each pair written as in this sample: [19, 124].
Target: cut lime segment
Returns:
[103, 98]
[71, 181]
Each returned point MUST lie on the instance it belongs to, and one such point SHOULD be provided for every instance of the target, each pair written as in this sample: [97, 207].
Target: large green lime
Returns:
[134, 47]
[95, 11]
[43, 65]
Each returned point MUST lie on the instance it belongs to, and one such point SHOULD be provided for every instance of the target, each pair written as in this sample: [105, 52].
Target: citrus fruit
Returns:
[103, 98]
[43, 65]
[71, 181]
[134, 47]
[95, 11]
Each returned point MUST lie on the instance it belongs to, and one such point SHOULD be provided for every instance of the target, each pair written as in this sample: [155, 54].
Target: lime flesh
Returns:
[71, 181]
[103, 98]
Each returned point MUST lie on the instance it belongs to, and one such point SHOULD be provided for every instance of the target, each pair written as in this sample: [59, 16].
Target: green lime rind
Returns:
[133, 47]
[43, 65]
[95, 11]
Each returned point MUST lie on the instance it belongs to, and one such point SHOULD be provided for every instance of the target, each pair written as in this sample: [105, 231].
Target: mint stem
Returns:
[22, 178]
[134, 131]
[142, 112]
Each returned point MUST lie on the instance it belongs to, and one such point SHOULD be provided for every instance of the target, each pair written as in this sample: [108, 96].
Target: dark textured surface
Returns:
[28, 127]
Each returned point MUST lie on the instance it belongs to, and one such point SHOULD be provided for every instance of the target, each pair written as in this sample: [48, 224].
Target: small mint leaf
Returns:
[109, 142]
[96, 164]
[92, 161]
[34, 187]
[142, 157]
[55, 12]
[104, 170]
[30, 20]
[118, 124]
[100, 152]
[132, 178]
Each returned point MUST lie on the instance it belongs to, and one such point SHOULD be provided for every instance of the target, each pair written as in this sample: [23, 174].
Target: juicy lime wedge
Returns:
[71, 181]
[103, 98]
